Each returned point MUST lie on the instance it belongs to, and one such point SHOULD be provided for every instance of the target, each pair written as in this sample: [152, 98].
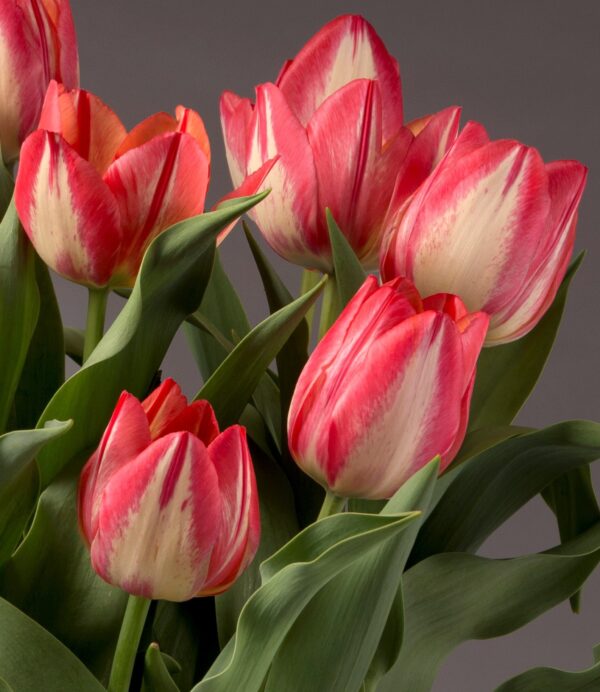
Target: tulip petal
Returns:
[158, 520]
[126, 435]
[287, 217]
[498, 190]
[60, 42]
[85, 122]
[166, 402]
[190, 122]
[347, 48]
[236, 117]
[67, 211]
[355, 177]
[156, 185]
[198, 418]
[566, 184]
[240, 528]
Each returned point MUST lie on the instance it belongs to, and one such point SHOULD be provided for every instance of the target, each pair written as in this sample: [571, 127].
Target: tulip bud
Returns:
[387, 389]
[37, 44]
[167, 503]
[334, 120]
[494, 225]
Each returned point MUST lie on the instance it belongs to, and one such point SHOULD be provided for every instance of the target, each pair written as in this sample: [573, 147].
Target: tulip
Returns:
[167, 503]
[494, 225]
[334, 119]
[386, 390]
[91, 197]
[37, 44]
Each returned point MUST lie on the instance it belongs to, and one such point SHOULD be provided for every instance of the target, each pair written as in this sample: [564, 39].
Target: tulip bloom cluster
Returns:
[386, 390]
[334, 120]
[167, 503]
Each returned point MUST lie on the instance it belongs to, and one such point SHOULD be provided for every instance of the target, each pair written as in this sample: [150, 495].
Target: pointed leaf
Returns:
[157, 677]
[349, 274]
[554, 679]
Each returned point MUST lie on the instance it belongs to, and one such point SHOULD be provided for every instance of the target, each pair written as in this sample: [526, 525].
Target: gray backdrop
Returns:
[527, 69]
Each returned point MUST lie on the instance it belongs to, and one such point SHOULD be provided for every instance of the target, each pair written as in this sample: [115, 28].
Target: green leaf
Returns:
[554, 680]
[7, 185]
[233, 383]
[349, 274]
[507, 374]
[32, 659]
[19, 479]
[19, 307]
[222, 307]
[169, 287]
[496, 483]
[157, 677]
[74, 339]
[50, 578]
[291, 578]
[334, 639]
[455, 597]
[278, 526]
[44, 369]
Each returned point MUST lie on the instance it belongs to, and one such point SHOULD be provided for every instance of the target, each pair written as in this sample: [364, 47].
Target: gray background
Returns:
[527, 69]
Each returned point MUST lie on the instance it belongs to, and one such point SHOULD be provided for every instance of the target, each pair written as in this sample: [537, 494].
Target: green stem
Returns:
[330, 308]
[332, 504]
[94, 328]
[310, 279]
[127, 644]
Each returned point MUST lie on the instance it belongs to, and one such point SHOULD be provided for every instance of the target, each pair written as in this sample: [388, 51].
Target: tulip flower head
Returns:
[37, 44]
[167, 503]
[494, 225]
[334, 118]
[387, 389]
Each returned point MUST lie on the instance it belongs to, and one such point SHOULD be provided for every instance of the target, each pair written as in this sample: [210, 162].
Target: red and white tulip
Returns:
[387, 389]
[92, 197]
[334, 119]
[168, 504]
[37, 44]
[493, 224]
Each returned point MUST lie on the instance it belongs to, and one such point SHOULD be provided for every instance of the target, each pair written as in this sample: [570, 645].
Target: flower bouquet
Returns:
[310, 520]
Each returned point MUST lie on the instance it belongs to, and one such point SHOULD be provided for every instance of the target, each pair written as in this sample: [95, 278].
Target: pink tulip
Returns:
[387, 389]
[168, 504]
[37, 44]
[334, 119]
[494, 225]
[92, 197]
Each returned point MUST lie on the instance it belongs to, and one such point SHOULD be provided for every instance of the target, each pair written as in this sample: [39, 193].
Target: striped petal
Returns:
[355, 175]
[198, 418]
[346, 49]
[158, 521]
[236, 117]
[481, 214]
[85, 122]
[287, 217]
[164, 404]
[156, 185]
[126, 435]
[68, 212]
[240, 527]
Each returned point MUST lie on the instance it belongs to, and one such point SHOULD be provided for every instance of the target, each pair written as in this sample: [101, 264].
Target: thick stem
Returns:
[128, 642]
[330, 307]
[94, 328]
[332, 504]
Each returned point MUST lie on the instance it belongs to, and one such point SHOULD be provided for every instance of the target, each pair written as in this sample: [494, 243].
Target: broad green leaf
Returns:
[222, 307]
[74, 339]
[169, 287]
[44, 368]
[278, 526]
[455, 597]
[554, 680]
[19, 480]
[19, 307]
[507, 374]
[32, 659]
[291, 578]
[349, 274]
[496, 483]
[334, 639]
[230, 387]
[157, 677]
[50, 578]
